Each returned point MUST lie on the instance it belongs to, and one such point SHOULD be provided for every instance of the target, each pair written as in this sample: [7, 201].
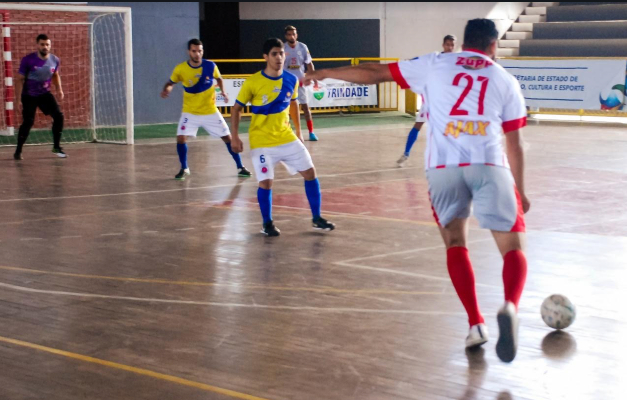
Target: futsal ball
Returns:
[557, 311]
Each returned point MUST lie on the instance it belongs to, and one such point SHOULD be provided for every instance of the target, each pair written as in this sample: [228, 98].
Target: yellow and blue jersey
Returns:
[270, 100]
[199, 97]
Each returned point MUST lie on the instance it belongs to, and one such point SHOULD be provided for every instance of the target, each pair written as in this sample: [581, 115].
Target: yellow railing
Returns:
[388, 92]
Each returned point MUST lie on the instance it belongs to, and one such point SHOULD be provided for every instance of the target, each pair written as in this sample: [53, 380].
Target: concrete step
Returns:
[535, 11]
[532, 18]
[518, 35]
[543, 4]
[522, 27]
[506, 52]
[509, 43]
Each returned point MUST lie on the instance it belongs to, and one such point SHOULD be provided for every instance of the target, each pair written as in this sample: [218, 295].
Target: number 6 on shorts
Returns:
[262, 159]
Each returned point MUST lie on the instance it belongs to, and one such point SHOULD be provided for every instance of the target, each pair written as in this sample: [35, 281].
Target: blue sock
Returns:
[181, 148]
[312, 189]
[265, 203]
[236, 157]
[411, 139]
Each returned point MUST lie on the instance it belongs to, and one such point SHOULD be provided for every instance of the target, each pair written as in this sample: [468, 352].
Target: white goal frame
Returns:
[128, 52]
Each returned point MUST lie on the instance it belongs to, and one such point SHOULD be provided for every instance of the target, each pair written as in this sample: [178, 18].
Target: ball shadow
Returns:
[559, 345]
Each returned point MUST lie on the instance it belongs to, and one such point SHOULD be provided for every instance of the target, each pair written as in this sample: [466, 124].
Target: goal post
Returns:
[94, 45]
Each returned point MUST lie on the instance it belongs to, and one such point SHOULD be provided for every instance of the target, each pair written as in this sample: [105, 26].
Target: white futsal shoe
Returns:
[477, 336]
[507, 345]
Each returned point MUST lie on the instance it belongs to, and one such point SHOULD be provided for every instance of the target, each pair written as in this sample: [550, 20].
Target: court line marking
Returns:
[212, 284]
[248, 183]
[404, 273]
[440, 246]
[128, 368]
[229, 305]
[212, 203]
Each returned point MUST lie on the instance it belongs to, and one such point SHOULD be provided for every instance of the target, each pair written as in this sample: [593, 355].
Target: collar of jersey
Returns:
[271, 78]
[191, 66]
[476, 51]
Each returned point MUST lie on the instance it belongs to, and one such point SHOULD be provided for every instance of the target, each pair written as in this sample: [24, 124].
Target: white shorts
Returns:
[454, 191]
[302, 94]
[421, 116]
[214, 124]
[293, 155]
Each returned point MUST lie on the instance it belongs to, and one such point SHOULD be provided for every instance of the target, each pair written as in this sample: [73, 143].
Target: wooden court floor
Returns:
[118, 282]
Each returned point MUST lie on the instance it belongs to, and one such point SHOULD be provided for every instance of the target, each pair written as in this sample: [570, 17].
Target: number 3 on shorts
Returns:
[262, 159]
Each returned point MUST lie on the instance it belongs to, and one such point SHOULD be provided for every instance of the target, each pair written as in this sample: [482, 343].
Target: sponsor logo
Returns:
[614, 100]
[264, 99]
[472, 128]
[264, 170]
[473, 63]
[183, 127]
[318, 95]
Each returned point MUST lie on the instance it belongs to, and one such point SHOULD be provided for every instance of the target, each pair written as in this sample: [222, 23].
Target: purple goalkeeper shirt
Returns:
[38, 73]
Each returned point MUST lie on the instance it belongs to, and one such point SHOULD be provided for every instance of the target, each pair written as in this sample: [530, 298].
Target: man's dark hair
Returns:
[194, 42]
[270, 44]
[479, 34]
[449, 37]
[43, 36]
[290, 28]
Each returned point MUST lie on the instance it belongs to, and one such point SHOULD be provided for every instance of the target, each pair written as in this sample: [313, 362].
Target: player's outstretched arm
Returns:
[295, 115]
[236, 143]
[167, 89]
[364, 73]
[516, 157]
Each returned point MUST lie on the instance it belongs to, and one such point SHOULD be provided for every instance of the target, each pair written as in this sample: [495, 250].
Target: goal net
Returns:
[94, 47]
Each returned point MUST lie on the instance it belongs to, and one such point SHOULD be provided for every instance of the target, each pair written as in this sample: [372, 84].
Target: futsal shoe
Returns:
[313, 137]
[244, 173]
[59, 152]
[477, 336]
[270, 230]
[323, 224]
[18, 156]
[182, 174]
[508, 332]
[401, 161]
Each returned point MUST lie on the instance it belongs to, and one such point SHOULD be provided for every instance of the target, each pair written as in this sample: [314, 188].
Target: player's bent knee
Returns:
[226, 139]
[309, 174]
[28, 123]
[266, 184]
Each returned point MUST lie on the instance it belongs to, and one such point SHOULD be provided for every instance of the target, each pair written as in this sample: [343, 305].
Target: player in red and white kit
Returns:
[472, 101]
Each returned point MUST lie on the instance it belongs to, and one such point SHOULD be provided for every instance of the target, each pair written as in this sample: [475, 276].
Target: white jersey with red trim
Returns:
[296, 58]
[472, 101]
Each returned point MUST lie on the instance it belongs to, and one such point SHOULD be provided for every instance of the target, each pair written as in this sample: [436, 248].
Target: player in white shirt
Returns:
[472, 102]
[448, 45]
[297, 62]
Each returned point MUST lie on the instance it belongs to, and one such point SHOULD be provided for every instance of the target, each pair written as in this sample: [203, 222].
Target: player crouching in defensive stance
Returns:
[272, 94]
[199, 105]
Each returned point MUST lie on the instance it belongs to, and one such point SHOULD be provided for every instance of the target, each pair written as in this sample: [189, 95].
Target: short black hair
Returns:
[42, 36]
[270, 44]
[449, 37]
[290, 28]
[480, 33]
[193, 42]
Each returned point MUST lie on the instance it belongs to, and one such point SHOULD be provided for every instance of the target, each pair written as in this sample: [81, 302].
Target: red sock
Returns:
[463, 278]
[310, 126]
[514, 275]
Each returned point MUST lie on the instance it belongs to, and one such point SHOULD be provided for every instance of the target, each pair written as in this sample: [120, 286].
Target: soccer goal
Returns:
[94, 46]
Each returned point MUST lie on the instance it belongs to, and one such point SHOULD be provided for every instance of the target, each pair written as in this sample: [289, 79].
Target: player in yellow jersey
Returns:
[272, 94]
[199, 105]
